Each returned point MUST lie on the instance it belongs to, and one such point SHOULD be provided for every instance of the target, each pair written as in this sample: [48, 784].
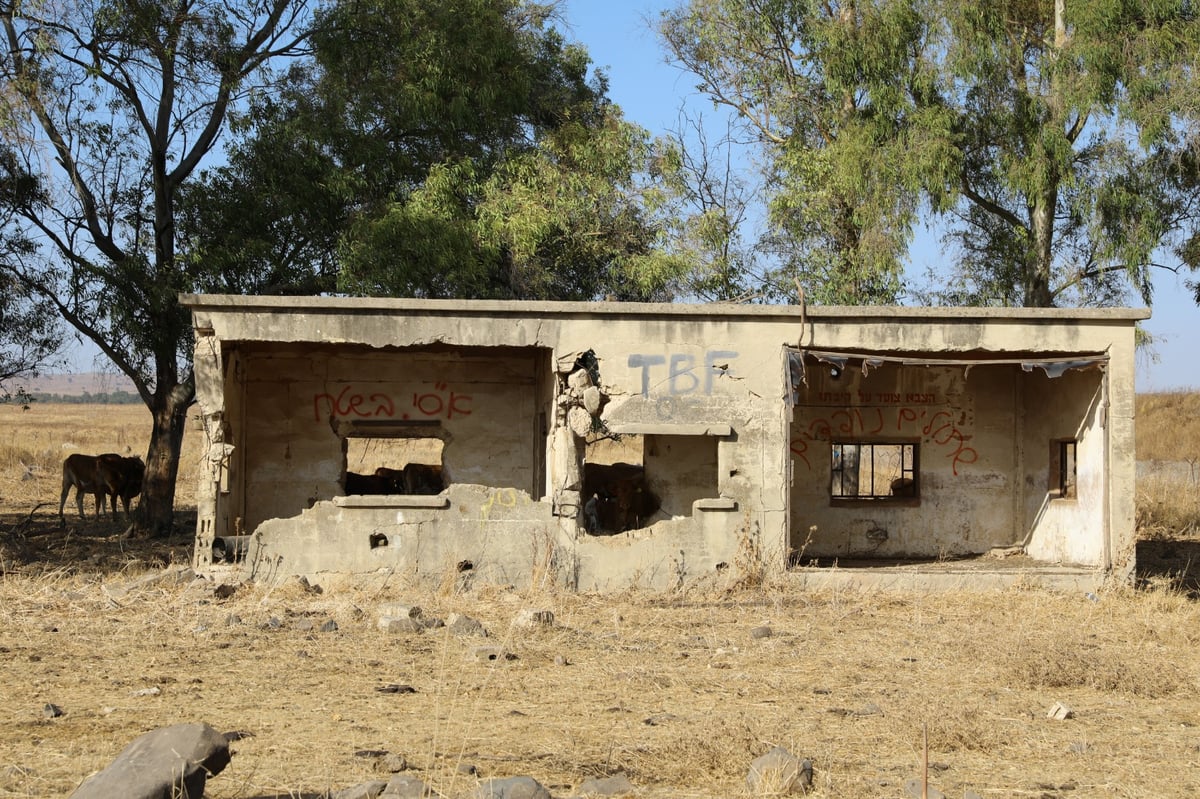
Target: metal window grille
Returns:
[861, 470]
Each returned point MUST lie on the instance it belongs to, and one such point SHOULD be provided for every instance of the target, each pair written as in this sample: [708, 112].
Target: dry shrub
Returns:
[1072, 665]
[1168, 426]
[698, 754]
[1166, 508]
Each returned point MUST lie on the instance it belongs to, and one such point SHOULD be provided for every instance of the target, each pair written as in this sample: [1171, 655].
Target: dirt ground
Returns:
[678, 691]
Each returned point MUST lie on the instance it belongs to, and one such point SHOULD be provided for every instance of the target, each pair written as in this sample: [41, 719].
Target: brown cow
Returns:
[415, 478]
[119, 477]
[103, 476]
[79, 471]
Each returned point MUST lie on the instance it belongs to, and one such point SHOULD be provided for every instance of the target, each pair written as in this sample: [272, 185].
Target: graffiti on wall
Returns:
[502, 498]
[439, 403]
[935, 427]
[678, 371]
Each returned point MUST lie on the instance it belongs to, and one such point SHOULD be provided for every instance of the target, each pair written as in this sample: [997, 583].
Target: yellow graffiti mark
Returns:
[500, 497]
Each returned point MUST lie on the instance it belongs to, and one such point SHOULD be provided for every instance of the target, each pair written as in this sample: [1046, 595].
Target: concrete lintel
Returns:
[715, 503]
[658, 429]
[391, 501]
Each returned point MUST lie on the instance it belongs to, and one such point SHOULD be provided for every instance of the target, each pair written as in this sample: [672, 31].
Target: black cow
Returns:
[415, 478]
[120, 478]
[617, 497]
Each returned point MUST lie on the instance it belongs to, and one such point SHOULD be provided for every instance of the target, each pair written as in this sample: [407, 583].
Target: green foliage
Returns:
[1070, 131]
[1056, 149]
[830, 93]
[454, 149]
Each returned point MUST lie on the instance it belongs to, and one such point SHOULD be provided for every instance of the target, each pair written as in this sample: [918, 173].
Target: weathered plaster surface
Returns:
[744, 474]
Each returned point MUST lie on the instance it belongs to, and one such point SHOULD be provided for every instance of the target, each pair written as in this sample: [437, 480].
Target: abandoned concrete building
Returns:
[607, 445]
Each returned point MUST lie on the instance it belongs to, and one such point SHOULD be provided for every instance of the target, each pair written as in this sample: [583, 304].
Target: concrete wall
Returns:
[743, 475]
[984, 433]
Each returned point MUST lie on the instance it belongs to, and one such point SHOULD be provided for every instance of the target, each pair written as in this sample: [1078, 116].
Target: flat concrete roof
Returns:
[527, 308]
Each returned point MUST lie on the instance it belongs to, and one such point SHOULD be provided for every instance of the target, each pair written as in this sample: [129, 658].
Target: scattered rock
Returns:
[393, 763]
[172, 761]
[395, 688]
[366, 790]
[153, 690]
[761, 632]
[1060, 712]
[300, 583]
[559, 660]
[406, 786]
[468, 768]
[272, 623]
[592, 399]
[225, 590]
[233, 620]
[51, 711]
[534, 618]
[779, 773]
[579, 380]
[303, 625]
[913, 788]
[329, 626]
[616, 785]
[490, 653]
[464, 625]
[400, 624]
[510, 788]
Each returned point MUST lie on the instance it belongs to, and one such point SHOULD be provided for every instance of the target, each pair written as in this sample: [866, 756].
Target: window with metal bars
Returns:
[874, 471]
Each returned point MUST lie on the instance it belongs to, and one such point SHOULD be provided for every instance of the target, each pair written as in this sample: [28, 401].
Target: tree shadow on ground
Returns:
[1175, 561]
[38, 543]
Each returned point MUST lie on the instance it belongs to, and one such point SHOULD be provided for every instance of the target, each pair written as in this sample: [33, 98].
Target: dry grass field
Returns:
[672, 690]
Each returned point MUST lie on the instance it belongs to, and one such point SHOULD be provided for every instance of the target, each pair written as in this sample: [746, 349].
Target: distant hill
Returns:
[93, 384]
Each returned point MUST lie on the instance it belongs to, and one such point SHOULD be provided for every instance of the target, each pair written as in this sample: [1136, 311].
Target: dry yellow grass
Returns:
[671, 689]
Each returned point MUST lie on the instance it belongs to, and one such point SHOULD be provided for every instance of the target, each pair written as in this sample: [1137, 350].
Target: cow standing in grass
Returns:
[107, 475]
[120, 478]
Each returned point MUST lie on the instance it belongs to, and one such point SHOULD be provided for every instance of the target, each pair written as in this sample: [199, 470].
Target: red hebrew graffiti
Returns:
[935, 427]
[440, 403]
[347, 403]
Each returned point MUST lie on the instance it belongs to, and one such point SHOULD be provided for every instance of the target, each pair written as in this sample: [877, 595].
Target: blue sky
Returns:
[651, 92]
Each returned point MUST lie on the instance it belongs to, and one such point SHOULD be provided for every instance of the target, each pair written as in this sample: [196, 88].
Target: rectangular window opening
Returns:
[394, 464]
[874, 471]
[632, 481]
[1063, 482]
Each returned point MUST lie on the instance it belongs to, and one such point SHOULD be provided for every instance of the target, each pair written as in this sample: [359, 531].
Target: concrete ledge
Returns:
[716, 503]
[646, 429]
[932, 579]
[391, 501]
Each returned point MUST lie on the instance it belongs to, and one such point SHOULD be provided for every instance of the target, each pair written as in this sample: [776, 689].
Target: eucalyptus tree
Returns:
[109, 107]
[833, 94]
[1072, 122]
[453, 149]
[1055, 138]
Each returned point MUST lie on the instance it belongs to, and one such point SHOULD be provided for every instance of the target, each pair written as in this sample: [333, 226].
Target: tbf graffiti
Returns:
[681, 377]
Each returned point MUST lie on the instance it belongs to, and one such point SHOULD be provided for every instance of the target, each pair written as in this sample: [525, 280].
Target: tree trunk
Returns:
[156, 511]
[1039, 261]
